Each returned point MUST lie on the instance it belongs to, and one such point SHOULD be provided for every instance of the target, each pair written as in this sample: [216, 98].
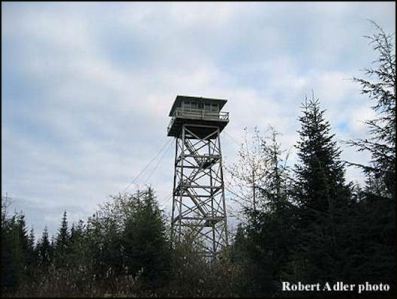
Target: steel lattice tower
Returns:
[198, 207]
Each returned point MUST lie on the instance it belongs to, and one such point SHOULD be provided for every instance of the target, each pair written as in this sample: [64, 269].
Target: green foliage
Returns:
[193, 276]
[16, 250]
[261, 247]
[145, 244]
[381, 89]
[62, 241]
[320, 184]
[44, 250]
[323, 199]
[375, 235]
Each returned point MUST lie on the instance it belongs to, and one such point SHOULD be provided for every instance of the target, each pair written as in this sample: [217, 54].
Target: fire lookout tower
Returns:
[198, 207]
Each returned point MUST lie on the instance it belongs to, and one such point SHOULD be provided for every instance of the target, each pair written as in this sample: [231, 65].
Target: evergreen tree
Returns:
[145, 242]
[76, 234]
[31, 241]
[103, 242]
[45, 250]
[323, 199]
[375, 240]
[274, 188]
[31, 255]
[62, 239]
[9, 253]
[14, 251]
[62, 243]
[320, 174]
[381, 88]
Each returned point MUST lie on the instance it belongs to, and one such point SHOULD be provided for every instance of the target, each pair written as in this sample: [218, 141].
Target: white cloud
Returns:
[358, 118]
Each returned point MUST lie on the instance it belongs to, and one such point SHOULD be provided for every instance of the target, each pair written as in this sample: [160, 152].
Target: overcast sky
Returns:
[87, 87]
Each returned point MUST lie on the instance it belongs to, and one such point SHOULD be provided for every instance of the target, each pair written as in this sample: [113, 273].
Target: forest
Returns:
[307, 224]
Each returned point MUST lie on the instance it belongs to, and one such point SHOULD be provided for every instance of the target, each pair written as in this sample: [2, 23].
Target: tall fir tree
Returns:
[62, 243]
[14, 251]
[145, 242]
[375, 230]
[381, 89]
[323, 199]
[31, 255]
[45, 250]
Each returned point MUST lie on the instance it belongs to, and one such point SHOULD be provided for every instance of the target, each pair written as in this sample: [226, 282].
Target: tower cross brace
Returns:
[198, 207]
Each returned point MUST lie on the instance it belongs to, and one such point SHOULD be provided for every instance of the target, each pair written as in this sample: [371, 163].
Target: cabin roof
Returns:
[179, 99]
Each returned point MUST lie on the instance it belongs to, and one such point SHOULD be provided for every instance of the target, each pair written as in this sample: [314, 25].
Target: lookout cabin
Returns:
[203, 115]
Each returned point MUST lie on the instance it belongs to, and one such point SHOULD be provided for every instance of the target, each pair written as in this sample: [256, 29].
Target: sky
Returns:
[87, 87]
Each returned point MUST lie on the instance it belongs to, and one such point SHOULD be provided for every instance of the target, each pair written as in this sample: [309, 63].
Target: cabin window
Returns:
[214, 108]
[188, 105]
[194, 105]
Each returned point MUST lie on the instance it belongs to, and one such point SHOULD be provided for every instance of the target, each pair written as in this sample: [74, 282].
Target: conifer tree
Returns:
[31, 255]
[381, 89]
[31, 240]
[10, 253]
[62, 243]
[63, 233]
[45, 250]
[322, 197]
[320, 173]
[375, 231]
[145, 242]
[14, 251]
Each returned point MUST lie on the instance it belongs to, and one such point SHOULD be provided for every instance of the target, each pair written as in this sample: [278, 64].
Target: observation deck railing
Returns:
[201, 114]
